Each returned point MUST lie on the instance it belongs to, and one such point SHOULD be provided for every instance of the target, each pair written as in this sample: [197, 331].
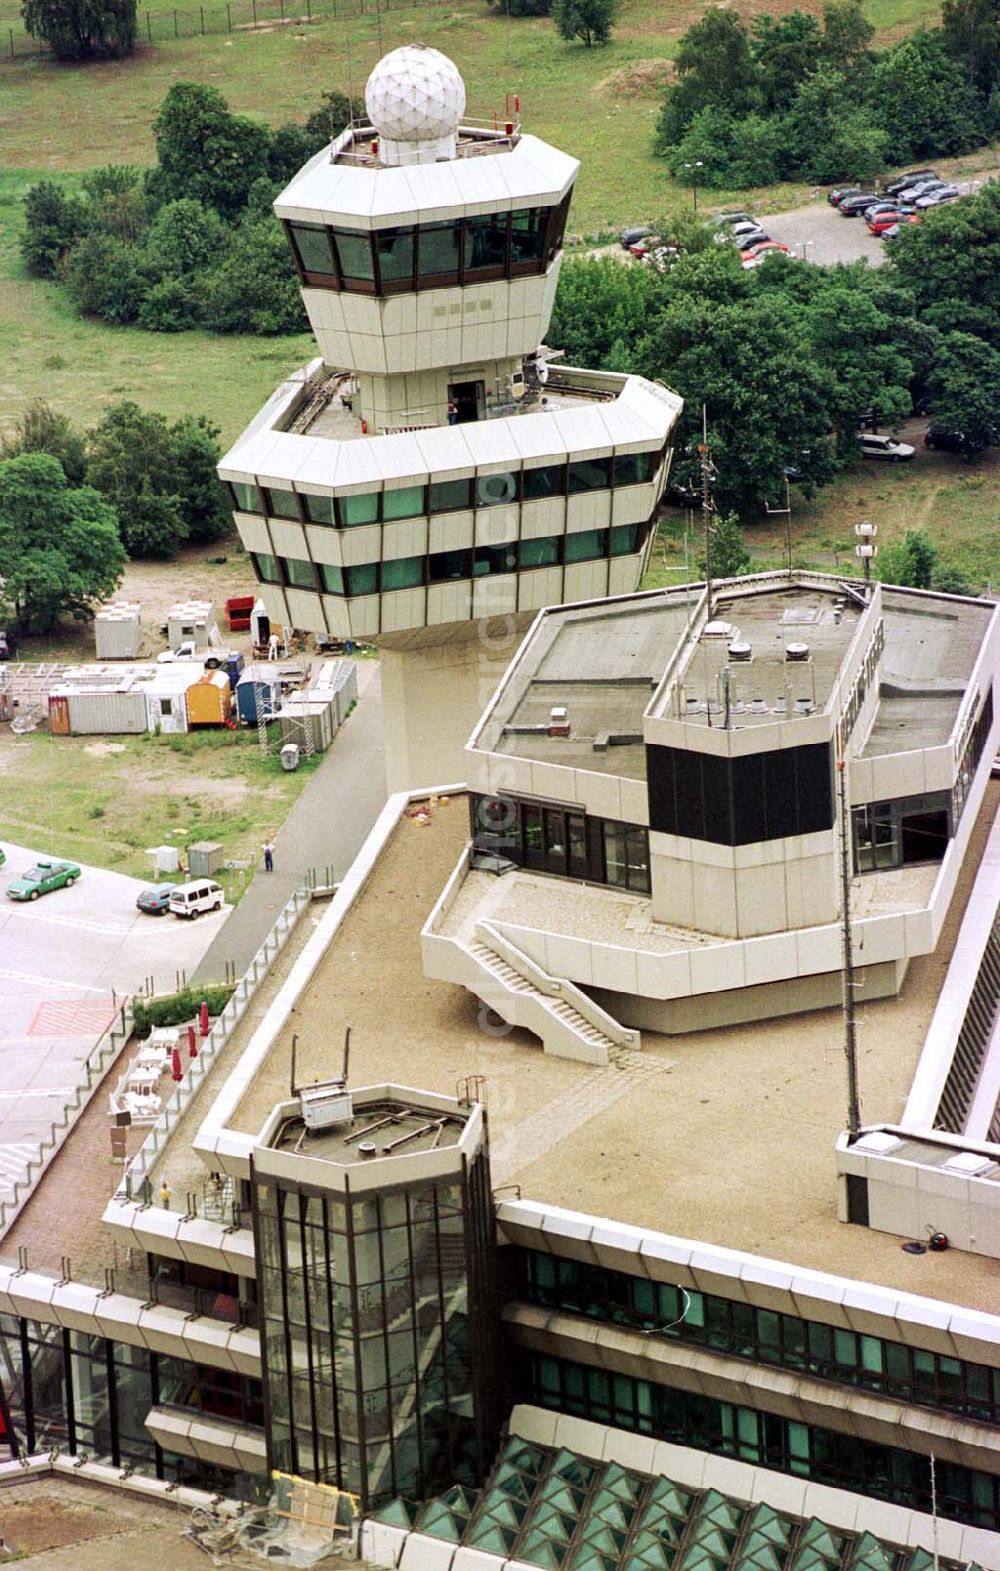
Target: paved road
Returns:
[64, 961]
[325, 828]
[820, 234]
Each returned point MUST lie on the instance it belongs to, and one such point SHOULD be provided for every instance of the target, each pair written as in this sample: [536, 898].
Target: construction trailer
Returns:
[260, 687]
[209, 701]
[189, 621]
[313, 717]
[166, 696]
[109, 709]
[118, 630]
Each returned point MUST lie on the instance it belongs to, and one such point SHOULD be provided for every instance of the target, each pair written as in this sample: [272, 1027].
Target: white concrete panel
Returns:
[450, 531]
[717, 967]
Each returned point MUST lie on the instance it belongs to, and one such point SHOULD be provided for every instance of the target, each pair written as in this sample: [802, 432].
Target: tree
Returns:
[204, 152]
[83, 29]
[41, 430]
[291, 147]
[59, 546]
[54, 221]
[787, 50]
[910, 562]
[185, 236]
[335, 112]
[521, 7]
[829, 135]
[922, 101]
[196, 452]
[589, 20]
[971, 30]
[963, 385]
[950, 265]
[600, 306]
[847, 34]
[254, 288]
[730, 557]
[104, 278]
[130, 460]
[715, 67]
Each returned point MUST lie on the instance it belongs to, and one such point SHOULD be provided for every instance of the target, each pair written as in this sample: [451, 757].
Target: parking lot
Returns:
[66, 961]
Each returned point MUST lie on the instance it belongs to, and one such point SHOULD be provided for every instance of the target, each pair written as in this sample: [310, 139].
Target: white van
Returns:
[200, 895]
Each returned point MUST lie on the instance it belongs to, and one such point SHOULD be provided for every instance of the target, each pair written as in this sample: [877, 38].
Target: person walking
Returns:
[268, 857]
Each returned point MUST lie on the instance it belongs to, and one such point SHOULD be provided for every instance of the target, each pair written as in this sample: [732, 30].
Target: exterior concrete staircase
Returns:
[513, 987]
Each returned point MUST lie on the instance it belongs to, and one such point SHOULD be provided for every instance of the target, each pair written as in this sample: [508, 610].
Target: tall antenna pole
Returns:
[850, 1022]
[706, 505]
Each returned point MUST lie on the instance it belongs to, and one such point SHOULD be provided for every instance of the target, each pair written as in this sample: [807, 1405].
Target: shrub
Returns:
[175, 1008]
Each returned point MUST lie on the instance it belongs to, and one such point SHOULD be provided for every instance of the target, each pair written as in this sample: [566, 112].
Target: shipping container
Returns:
[238, 609]
[209, 700]
[107, 711]
[166, 697]
[188, 622]
[311, 722]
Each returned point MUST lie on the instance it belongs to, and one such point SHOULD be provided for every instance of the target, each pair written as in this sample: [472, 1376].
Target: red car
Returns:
[884, 219]
[756, 254]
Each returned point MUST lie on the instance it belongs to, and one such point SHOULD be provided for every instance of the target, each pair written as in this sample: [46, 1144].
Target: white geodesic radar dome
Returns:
[415, 95]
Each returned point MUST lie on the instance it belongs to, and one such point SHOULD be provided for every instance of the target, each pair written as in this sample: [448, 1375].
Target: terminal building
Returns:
[436, 476]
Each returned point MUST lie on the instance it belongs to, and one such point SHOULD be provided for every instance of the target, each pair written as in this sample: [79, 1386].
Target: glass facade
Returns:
[378, 1315]
[480, 249]
[552, 838]
[730, 1326]
[412, 572]
[821, 1455]
[740, 801]
[970, 751]
[88, 1395]
[905, 830]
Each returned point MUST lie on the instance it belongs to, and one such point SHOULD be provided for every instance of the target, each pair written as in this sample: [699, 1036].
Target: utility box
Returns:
[204, 858]
[118, 630]
[290, 756]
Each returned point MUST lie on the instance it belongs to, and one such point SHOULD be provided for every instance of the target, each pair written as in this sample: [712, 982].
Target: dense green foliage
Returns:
[175, 1009]
[788, 98]
[730, 557]
[42, 430]
[191, 242]
[788, 358]
[59, 545]
[160, 479]
[590, 21]
[83, 29]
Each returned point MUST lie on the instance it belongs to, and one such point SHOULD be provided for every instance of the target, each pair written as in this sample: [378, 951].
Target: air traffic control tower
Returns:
[436, 475]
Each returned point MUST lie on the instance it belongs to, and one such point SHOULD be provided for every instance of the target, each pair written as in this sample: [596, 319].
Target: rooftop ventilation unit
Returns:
[758, 706]
[326, 1104]
[804, 706]
[796, 651]
[559, 721]
[718, 629]
[740, 651]
[971, 1164]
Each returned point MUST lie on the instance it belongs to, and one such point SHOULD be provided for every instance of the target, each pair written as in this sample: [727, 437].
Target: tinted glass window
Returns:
[491, 490]
[318, 509]
[302, 575]
[495, 559]
[548, 481]
[634, 468]
[358, 509]
[540, 553]
[587, 545]
[283, 504]
[404, 572]
[589, 474]
[406, 503]
[354, 248]
[438, 249]
[486, 241]
[333, 578]
[313, 247]
[266, 567]
[625, 540]
[527, 235]
[395, 254]
[448, 496]
[246, 497]
[362, 580]
[446, 565]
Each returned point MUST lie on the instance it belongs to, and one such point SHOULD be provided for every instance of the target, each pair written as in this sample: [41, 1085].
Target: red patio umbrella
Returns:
[192, 1042]
[176, 1070]
[203, 1018]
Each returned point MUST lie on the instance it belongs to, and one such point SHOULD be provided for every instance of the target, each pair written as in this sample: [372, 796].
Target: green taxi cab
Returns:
[42, 879]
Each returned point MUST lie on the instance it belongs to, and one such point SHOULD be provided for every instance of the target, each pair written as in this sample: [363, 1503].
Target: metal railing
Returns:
[105, 1050]
[135, 1184]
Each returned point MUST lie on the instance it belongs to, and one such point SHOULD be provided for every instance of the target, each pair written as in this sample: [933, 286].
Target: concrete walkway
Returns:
[325, 829]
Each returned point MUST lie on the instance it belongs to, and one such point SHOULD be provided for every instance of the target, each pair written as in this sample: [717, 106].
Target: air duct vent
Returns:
[740, 651]
[559, 721]
[796, 651]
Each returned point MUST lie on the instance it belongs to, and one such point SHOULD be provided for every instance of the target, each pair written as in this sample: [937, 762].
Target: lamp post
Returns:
[698, 164]
[803, 247]
[866, 549]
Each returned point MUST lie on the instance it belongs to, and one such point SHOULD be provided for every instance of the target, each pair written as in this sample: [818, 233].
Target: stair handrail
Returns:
[556, 987]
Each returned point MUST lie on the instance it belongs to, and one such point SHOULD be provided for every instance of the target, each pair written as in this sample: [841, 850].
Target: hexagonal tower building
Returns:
[436, 475]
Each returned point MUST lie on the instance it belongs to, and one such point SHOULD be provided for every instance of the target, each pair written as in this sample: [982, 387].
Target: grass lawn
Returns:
[952, 501]
[104, 800]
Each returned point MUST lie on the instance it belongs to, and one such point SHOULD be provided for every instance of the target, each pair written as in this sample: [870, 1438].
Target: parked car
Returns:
[892, 233]
[201, 894]
[879, 219]
[726, 219]
[939, 194]
[946, 439]
[851, 206]
[757, 253]
[42, 879]
[628, 237]
[897, 186]
[840, 192]
[8, 645]
[887, 448]
[155, 900]
[920, 188]
[744, 242]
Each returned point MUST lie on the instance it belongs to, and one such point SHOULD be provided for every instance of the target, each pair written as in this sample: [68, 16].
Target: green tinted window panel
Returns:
[666, 1496]
[603, 1539]
[438, 1521]
[758, 1555]
[538, 1549]
[528, 1458]
[697, 1557]
[765, 1523]
[816, 1535]
[716, 1508]
[923, 1560]
[587, 1559]
[398, 1513]
[615, 1514]
[557, 1492]
[648, 1555]
[573, 1468]
[712, 1539]
[509, 1480]
[621, 1483]
[869, 1555]
[495, 1540]
[547, 1518]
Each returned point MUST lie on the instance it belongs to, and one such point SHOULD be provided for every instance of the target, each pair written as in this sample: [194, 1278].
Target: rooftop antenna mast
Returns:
[847, 970]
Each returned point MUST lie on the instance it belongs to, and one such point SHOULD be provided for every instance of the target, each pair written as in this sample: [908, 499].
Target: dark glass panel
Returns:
[624, 541]
[406, 572]
[354, 248]
[438, 249]
[449, 496]
[318, 509]
[586, 546]
[495, 559]
[486, 242]
[633, 468]
[362, 580]
[299, 574]
[358, 509]
[408, 502]
[395, 256]
[540, 553]
[313, 248]
[448, 565]
[266, 567]
[589, 474]
[527, 236]
[246, 497]
[333, 578]
[549, 480]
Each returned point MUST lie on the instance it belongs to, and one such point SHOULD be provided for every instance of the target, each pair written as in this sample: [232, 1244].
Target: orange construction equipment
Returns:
[209, 700]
